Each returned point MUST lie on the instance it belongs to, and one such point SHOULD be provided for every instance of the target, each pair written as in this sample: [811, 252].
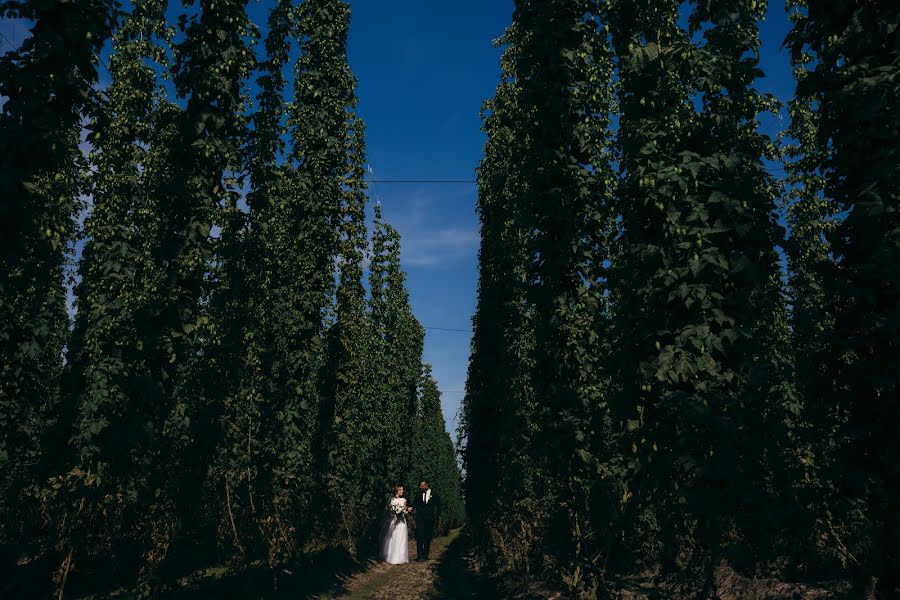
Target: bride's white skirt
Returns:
[395, 541]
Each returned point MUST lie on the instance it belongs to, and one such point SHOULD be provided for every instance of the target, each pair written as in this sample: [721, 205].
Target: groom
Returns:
[426, 506]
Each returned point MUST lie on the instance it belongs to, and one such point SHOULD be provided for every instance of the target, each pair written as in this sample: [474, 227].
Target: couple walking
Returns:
[426, 505]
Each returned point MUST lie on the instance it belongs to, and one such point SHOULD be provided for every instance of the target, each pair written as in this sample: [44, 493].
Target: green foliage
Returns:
[535, 395]
[496, 422]
[564, 70]
[112, 356]
[397, 345]
[699, 278]
[809, 216]
[434, 456]
[635, 336]
[225, 371]
[413, 443]
[847, 58]
[697, 284]
[304, 215]
[241, 353]
[211, 64]
[47, 88]
[644, 388]
[141, 325]
[351, 440]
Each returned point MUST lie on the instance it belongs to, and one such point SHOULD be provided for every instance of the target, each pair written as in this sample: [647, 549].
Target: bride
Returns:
[395, 534]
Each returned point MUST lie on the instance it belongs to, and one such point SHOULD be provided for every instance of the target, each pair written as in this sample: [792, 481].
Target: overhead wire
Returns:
[448, 329]
[376, 182]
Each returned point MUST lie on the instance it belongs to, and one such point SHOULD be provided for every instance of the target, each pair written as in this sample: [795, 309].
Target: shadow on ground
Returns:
[456, 577]
[325, 573]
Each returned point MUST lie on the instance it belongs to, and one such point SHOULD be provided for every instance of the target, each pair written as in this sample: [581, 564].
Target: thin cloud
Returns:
[430, 248]
[425, 246]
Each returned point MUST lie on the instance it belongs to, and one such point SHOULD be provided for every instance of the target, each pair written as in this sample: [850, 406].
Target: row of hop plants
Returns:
[229, 391]
[679, 358]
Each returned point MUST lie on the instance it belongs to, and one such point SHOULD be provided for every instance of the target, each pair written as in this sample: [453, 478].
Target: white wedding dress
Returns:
[395, 535]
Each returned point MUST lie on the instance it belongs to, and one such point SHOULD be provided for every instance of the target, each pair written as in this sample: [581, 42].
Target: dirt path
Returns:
[447, 575]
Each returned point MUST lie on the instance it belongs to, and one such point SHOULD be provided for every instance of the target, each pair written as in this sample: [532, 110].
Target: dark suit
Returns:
[426, 514]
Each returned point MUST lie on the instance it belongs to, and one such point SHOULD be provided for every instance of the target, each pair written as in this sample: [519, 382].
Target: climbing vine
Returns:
[846, 80]
[635, 328]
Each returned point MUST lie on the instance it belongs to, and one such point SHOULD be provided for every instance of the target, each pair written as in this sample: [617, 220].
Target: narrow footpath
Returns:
[447, 575]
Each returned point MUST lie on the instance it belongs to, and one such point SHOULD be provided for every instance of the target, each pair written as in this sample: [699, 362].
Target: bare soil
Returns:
[453, 573]
[449, 574]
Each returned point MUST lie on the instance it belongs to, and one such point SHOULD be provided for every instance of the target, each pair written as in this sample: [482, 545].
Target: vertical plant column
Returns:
[306, 236]
[113, 385]
[753, 418]
[48, 85]
[388, 430]
[663, 383]
[563, 69]
[241, 390]
[352, 442]
[405, 337]
[699, 307]
[398, 341]
[496, 422]
[434, 455]
[852, 81]
[211, 65]
[810, 219]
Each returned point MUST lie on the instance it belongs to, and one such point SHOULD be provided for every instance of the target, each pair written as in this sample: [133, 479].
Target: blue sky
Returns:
[423, 69]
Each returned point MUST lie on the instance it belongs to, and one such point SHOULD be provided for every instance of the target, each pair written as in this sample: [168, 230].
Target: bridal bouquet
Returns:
[398, 508]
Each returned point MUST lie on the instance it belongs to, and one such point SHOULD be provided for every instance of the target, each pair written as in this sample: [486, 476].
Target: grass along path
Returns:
[446, 575]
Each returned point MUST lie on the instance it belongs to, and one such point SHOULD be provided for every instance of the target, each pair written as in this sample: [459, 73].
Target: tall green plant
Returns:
[757, 468]
[47, 84]
[240, 357]
[381, 319]
[563, 69]
[536, 378]
[305, 228]
[398, 342]
[406, 338]
[211, 65]
[112, 380]
[352, 442]
[852, 80]
[810, 219]
[434, 456]
[496, 423]
[699, 306]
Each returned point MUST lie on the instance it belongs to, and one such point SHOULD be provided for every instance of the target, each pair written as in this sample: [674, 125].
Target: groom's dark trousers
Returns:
[426, 515]
[424, 533]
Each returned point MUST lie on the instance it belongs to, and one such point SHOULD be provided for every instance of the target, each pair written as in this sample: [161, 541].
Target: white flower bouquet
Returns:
[398, 507]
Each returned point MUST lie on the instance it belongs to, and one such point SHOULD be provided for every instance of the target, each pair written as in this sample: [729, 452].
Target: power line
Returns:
[448, 329]
[11, 45]
[775, 118]
[379, 181]
[463, 181]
